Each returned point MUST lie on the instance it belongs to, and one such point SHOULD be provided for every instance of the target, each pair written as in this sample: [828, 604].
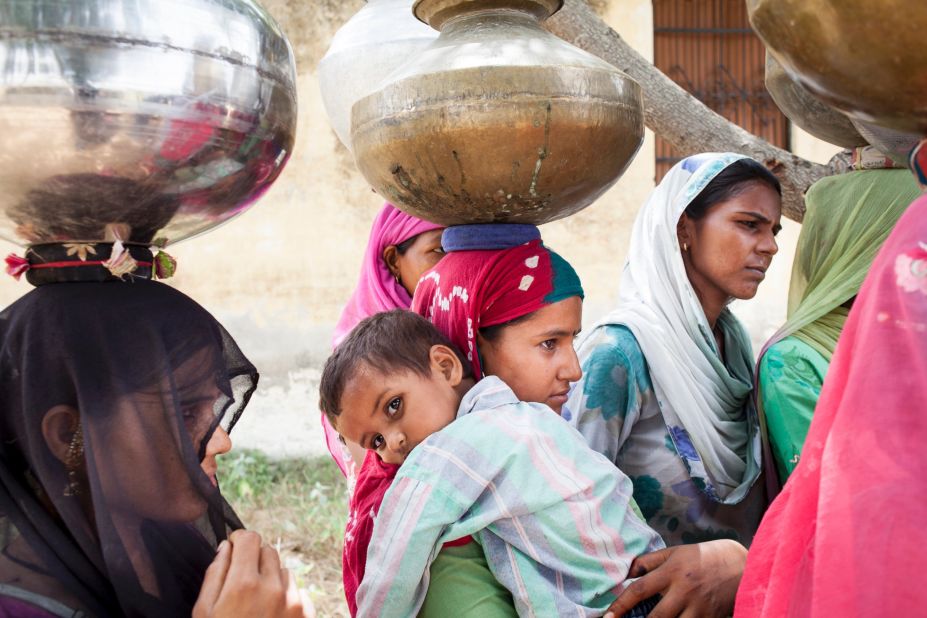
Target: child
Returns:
[555, 519]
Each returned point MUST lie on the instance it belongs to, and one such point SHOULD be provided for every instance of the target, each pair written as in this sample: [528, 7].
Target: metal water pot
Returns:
[805, 110]
[497, 120]
[867, 59]
[159, 118]
[366, 49]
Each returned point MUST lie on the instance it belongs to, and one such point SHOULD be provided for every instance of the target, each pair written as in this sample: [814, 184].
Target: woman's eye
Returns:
[439, 250]
[377, 442]
[549, 344]
[750, 224]
[393, 406]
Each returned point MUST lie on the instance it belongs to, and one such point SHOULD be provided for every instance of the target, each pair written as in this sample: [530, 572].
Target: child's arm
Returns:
[406, 538]
[447, 489]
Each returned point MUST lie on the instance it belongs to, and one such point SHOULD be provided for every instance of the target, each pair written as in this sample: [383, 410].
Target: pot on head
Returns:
[159, 118]
[867, 59]
[497, 120]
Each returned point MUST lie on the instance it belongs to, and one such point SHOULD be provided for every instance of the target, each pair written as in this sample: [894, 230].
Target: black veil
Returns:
[109, 395]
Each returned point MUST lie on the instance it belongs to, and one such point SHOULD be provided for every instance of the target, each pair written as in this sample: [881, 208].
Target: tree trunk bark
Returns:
[676, 115]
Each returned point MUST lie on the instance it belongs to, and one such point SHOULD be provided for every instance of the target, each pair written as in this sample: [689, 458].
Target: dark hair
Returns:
[731, 182]
[78, 206]
[390, 342]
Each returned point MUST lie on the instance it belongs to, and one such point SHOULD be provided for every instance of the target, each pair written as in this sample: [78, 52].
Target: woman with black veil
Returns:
[115, 399]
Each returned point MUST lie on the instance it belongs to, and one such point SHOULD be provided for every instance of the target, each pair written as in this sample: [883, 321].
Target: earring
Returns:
[72, 464]
[685, 246]
[398, 280]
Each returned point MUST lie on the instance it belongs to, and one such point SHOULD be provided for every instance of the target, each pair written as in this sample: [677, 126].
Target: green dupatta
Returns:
[847, 219]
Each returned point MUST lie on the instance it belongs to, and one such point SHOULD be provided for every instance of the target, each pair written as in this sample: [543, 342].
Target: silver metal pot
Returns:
[160, 118]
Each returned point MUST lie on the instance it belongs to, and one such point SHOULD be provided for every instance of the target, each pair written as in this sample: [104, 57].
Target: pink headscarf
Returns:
[846, 535]
[377, 290]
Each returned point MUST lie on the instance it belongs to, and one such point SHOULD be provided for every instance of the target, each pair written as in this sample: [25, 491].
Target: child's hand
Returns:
[246, 579]
[693, 580]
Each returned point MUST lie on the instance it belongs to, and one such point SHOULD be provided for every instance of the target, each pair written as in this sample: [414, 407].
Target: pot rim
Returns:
[436, 13]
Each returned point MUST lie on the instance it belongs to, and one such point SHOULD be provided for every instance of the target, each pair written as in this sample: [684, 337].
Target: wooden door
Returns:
[708, 48]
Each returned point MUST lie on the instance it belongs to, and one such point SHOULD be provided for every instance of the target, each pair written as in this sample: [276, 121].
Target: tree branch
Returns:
[676, 115]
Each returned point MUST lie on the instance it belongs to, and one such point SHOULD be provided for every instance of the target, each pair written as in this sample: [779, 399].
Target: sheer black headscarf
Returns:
[112, 512]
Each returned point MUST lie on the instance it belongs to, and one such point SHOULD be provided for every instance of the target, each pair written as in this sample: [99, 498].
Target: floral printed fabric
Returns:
[911, 269]
[614, 407]
[791, 374]
[708, 397]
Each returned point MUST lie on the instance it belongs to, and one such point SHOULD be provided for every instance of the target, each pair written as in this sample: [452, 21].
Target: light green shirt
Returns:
[791, 375]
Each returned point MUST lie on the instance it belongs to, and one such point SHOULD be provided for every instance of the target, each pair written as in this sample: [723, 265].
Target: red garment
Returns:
[372, 483]
[846, 536]
[469, 290]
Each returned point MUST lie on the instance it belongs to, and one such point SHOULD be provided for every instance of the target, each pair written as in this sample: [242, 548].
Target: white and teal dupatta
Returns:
[707, 405]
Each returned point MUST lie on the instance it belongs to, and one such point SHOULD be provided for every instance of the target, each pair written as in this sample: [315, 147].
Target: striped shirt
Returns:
[555, 519]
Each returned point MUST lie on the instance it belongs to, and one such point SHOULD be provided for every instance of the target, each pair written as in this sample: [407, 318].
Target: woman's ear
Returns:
[685, 232]
[58, 428]
[445, 361]
[391, 257]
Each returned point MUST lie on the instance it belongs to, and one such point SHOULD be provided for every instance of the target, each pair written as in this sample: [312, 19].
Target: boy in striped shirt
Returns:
[555, 519]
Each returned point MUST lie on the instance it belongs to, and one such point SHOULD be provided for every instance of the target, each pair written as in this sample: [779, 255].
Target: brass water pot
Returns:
[868, 59]
[806, 111]
[497, 120]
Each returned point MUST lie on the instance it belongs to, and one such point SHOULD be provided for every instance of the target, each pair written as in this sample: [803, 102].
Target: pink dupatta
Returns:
[377, 290]
[846, 535]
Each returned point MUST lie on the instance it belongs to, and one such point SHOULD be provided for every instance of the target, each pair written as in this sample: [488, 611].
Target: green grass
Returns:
[300, 507]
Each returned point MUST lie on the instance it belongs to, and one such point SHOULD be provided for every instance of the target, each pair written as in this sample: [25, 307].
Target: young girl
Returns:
[400, 248]
[552, 516]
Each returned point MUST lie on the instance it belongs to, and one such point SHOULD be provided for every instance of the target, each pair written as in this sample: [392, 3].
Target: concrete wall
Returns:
[278, 276]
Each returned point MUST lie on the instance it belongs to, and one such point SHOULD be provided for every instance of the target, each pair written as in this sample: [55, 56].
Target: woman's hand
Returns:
[246, 579]
[693, 580]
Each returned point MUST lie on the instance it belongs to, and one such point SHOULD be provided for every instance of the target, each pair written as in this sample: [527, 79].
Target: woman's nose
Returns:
[219, 443]
[571, 371]
[769, 245]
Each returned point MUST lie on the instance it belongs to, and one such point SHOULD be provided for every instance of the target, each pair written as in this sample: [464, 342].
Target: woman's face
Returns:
[727, 251]
[142, 468]
[424, 252]
[535, 357]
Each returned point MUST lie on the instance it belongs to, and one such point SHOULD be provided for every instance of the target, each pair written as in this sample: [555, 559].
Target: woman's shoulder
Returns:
[792, 345]
[18, 602]
[790, 368]
[613, 345]
[788, 355]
